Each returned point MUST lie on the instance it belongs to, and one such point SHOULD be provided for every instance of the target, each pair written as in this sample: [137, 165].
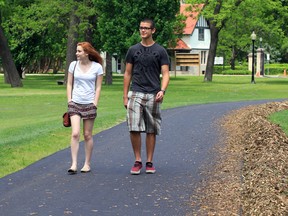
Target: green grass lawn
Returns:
[280, 118]
[31, 117]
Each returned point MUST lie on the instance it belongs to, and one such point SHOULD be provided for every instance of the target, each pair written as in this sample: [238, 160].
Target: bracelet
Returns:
[163, 91]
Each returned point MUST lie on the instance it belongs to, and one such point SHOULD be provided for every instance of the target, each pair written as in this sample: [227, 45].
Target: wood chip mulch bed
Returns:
[250, 176]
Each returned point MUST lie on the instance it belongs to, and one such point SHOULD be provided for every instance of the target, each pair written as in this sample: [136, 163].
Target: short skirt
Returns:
[85, 111]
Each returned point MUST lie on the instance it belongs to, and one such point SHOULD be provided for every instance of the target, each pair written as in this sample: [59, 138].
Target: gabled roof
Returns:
[181, 45]
[192, 16]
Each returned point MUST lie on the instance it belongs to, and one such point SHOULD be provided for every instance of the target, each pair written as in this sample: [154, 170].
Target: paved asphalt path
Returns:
[188, 133]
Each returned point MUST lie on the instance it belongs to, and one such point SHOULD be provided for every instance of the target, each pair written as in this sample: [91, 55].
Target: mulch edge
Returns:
[249, 176]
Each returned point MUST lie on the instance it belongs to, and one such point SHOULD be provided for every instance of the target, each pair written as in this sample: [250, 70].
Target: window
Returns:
[201, 34]
[203, 57]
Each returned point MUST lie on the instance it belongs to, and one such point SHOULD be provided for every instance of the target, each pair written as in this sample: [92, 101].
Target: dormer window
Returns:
[201, 34]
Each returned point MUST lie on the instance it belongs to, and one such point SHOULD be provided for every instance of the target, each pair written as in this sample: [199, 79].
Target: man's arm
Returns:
[165, 77]
[126, 83]
[164, 83]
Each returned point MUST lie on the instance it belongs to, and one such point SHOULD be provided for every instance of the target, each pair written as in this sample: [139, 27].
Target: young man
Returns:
[145, 61]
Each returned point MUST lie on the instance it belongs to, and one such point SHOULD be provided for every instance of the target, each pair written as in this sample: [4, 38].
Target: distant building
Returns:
[195, 40]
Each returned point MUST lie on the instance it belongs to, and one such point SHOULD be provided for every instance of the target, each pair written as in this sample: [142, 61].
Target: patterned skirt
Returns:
[85, 111]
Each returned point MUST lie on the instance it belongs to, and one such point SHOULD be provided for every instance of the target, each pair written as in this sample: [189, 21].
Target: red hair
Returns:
[91, 51]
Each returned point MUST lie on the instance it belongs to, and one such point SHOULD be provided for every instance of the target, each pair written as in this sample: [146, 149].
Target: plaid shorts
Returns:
[85, 111]
[143, 113]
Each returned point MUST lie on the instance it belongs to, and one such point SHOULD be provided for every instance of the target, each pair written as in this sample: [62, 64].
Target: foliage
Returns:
[37, 32]
[284, 50]
[233, 72]
[236, 19]
[270, 69]
[119, 21]
[263, 17]
[31, 33]
[37, 29]
[87, 13]
[275, 69]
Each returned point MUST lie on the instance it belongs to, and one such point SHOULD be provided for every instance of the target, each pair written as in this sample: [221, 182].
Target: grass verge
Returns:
[31, 117]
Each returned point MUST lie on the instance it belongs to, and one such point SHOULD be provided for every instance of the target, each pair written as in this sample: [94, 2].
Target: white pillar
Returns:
[250, 62]
[260, 62]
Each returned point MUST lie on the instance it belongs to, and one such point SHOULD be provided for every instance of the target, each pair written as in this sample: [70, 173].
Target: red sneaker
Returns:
[136, 169]
[150, 169]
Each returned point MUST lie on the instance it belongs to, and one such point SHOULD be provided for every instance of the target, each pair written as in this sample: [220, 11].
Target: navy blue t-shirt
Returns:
[147, 62]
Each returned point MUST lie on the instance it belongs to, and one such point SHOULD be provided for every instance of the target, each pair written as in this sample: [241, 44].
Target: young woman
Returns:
[83, 91]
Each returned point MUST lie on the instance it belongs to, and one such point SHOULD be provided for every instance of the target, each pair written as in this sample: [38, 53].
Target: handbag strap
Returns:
[73, 79]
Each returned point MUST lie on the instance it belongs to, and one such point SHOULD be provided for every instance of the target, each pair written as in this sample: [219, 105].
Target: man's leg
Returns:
[150, 146]
[153, 122]
[135, 138]
[136, 145]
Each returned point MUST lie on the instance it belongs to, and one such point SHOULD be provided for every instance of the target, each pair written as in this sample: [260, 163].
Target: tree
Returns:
[43, 33]
[238, 18]
[10, 71]
[217, 13]
[37, 33]
[9, 67]
[109, 77]
[266, 18]
[82, 27]
[284, 16]
[119, 21]
[72, 40]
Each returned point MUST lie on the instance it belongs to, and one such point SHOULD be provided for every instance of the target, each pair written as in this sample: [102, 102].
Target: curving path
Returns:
[188, 134]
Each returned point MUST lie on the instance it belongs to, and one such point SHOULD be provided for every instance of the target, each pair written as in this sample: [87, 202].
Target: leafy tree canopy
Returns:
[237, 19]
[266, 18]
[37, 32]
[119, 21]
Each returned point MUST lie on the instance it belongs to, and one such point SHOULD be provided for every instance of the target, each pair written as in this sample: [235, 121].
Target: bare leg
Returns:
[135, 138]
[150, 146]
[88, 138]
[75, 136]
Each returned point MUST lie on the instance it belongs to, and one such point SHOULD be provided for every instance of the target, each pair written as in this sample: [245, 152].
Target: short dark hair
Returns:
[148, 20]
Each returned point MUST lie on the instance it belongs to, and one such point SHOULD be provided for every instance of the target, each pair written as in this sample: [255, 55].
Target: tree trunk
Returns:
[89, 31]
[109, 77]
[6, 77]
[232, 63]
[71, 42]
[9, 67]
[233, 57]
[212, 53]
[214, 31]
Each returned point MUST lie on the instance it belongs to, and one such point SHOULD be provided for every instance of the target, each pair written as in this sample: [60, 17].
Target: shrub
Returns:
[240, 70]
[272, 69]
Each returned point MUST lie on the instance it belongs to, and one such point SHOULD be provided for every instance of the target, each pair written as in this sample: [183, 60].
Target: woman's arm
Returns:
[98, 89]
[69, 87]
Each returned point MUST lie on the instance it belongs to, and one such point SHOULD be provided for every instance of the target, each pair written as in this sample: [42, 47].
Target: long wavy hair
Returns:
[91, 51]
